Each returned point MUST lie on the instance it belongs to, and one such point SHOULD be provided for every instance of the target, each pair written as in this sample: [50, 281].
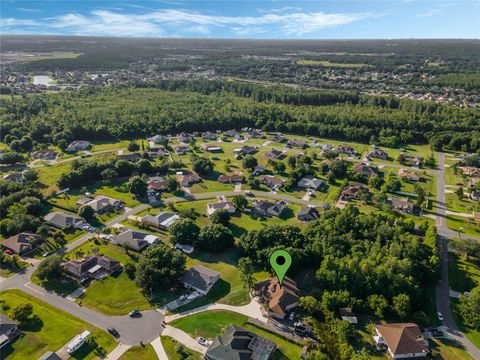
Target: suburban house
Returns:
[469, 170]
[412, 159]
[259, 169]
[269, 208]
[245, 150]
[475, 195]
[96, 267]
[136, 240]
[156, 152]
[277, 138]
[78, 145]
[211, 148]
[240, 344]
[163, 220]
[133, 157]
[255, 133]
[185, 137]
[200, 278]
[279, 299]
[156, 183]
[351, 192]
[403, 340]
[348, 315]
[365, 169]
[44, 154]
[230, 133]
[187, 178]
[377, 153]
[275, 154]
[102, 204]
[297, 143]
[209, 136]
[8, 330]
[180, 149]
[408, 175]
[21, 243]
[310, 182]
[308, 213]
[272, 182]
[403, 205]
[15, 177]
[221, 205]
[230, 179]
[63, 220]
[346, 149]
[159, 139]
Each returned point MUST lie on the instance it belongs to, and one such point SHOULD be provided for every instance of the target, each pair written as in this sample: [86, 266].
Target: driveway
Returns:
[184, 338]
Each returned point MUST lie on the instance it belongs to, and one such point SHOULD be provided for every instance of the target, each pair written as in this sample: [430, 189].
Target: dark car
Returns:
[113, 331]
[134, 313]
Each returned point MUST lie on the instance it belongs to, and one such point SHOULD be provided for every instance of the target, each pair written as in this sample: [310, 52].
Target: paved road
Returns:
[56, 162]
[442, 291]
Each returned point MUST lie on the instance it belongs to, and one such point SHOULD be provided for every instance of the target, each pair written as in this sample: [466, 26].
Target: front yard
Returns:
[49, 330]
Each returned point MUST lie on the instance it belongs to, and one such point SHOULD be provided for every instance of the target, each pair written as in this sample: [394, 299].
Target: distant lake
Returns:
[42, 80]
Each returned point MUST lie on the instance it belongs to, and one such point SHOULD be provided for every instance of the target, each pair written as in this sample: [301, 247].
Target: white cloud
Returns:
[288, 21]
[434, 11]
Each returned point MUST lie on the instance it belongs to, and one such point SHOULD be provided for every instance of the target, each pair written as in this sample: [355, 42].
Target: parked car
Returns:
[48, 253]
[440, 316]
[8, 252]
[291, 316]
[183, 297]
[113, 331]
[437, 334]
[202, 341]
[134, 313]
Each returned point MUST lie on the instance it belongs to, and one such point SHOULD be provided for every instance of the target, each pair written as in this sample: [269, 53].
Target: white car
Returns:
[292, 316]
[440, 316]
[202, 341]
[183, 297]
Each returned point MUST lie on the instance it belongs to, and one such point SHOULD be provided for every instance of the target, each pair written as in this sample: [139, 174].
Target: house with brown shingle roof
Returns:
[365, 169]
[402, 340]
[408, 175]
[21, 243]
[279, 300]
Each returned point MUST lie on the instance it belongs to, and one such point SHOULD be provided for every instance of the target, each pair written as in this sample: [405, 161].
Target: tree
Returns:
[137, 186]
[249, 162]
[184, 231]
[375, 182]
[171, 184]
[133, 146]
[202, 166]
[21, 312]
[245, 266]
[50, 268]
[221, 216]
[86, 212]
[129, 269]
[420, 192]
[311, 305]
[469, 307]
[459, 192]
[378, 304]
[401, 305]
[159, 268]
[240, 202]
[144, 166]
[279, 167]
[43, 231]
[215, 238]
[30, 175]
[108, 174]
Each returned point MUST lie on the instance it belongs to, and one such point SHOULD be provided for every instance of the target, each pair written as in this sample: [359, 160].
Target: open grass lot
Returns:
[145, 352]
[113, 145]
[463, 225]
[463, 205]
[329, 64]
[210, 324]
[49, 330]
[229, 289]
[447, 350]
[169, 345]
[454, 179]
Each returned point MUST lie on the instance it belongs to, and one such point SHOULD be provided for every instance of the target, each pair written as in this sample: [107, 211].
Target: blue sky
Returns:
[275, 19]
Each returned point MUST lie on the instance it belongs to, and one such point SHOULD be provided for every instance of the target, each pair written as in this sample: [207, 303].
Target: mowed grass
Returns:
[462, 205]
[139, 352]
[463, 225]
[330, 64]
[210, 324]
[49, 330]
[169, 345]
[448, 350]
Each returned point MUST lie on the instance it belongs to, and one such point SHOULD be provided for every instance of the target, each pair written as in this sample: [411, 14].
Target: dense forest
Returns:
[127, 112]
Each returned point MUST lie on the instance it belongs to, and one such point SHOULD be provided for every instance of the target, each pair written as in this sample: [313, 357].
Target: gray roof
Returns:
[200, 277]
[49, 355]
[240, 344]
[6, 324]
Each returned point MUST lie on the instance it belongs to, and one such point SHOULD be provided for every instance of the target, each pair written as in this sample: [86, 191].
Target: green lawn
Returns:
[448, 350]
[463, 225]
[472, 334]
[12, 267]
[463, 274]
[229, 289]
[330, 64]
[145, 352]
[49, 330]
[169, 346]
[210, 324]
[463, 205]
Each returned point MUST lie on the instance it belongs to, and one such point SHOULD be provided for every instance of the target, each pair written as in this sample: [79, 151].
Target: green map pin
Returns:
[280, 260]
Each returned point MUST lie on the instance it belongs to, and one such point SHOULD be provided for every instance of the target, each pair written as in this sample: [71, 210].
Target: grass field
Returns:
[329, 64]
[11, 268]
[447, 350]
[463, 205]
[210, 324]
[49, 330]
[169, 345]
[145, 352]
[463, 225]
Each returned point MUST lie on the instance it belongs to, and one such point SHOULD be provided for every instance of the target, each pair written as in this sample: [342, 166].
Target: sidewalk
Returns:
[159, 350]
[184, 338]
[118, 352]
